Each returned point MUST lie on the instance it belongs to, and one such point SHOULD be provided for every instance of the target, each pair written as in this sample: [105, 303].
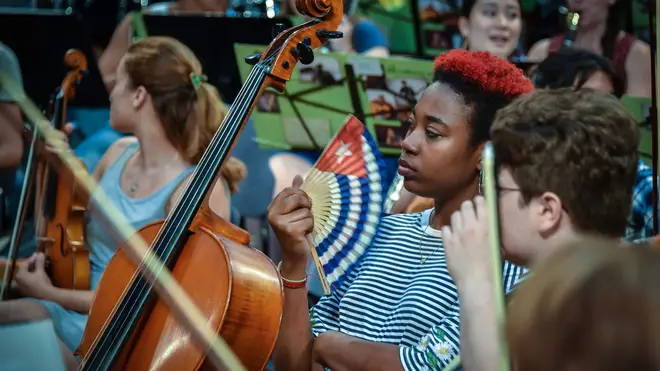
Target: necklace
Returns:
[423, 259]
[134, 187]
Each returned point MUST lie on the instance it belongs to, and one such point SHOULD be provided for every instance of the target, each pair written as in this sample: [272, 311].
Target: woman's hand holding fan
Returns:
[335, 212]
[290, 216]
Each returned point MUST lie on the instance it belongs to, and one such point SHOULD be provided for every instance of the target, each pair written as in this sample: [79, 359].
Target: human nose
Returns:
[411, 143]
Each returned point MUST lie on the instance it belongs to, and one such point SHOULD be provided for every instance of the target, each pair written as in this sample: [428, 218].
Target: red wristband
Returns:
[292, 284]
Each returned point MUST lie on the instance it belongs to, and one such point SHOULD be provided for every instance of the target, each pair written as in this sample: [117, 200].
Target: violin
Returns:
[59, 207]
[237, 288]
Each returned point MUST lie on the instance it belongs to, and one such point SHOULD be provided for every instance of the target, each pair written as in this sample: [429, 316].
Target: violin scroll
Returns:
[297, 43]
[76, 62]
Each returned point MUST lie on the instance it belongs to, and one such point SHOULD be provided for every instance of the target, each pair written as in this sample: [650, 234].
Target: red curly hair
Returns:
[490, 73]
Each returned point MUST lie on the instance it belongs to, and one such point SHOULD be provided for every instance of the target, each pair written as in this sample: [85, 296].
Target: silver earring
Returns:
[480, 189]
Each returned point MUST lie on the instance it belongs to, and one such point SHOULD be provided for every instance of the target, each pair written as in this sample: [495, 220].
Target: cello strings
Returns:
[221, 142]
[110, 327]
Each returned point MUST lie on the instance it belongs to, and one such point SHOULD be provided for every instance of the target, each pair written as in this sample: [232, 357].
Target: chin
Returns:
[124, 129]
[502, 52]
[418, 189]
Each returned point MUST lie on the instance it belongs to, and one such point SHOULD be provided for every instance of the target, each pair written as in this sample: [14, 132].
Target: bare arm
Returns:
[342, 352]
[480, 348]
[293, 349]
[638, 70]
[76, 300]
[538, 51]
[11, 142]
[116, 49]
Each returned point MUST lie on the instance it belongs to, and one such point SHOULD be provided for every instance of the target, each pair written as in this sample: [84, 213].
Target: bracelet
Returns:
[292, 284]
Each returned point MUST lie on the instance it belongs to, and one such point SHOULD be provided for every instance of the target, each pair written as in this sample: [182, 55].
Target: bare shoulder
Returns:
[539, 51]
[638, 70]
[640, 53]
[112, 153]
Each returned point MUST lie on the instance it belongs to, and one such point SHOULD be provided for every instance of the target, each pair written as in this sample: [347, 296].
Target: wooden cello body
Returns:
[217, 269]
[235, 286]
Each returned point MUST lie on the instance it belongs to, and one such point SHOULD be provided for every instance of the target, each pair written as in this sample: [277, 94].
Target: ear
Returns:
[549, 213]
[478, 155]
[464, 26]
[140, 97]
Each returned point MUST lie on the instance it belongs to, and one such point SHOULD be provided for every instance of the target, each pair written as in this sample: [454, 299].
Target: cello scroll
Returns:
[297, 43]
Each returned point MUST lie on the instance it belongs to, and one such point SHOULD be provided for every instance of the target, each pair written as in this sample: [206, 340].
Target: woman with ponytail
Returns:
[161, 100]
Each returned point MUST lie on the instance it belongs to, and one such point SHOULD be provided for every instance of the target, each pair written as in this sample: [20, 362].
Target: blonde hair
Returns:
[190, 112]
[594, 305]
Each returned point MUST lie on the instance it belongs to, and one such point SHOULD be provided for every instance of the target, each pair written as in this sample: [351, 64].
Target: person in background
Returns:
[11, 141]
[579, 68]
[601, 31]
[171, 119]
[491, 25]
[361, 35]
[11, 121]
[590, 306]
[567, 166]
[122, 38]
[398, 309]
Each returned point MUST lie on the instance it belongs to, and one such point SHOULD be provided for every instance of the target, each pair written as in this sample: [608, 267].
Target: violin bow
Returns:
[158, 275]
[655, 95]
[491, 196]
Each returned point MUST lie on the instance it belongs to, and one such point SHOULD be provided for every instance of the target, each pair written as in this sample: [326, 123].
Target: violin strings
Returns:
[136, 288]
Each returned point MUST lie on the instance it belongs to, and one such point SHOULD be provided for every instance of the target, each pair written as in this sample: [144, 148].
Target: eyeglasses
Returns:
[500, 189]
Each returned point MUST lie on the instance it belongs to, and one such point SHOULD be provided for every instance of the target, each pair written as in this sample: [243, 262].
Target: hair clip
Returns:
[197, 80]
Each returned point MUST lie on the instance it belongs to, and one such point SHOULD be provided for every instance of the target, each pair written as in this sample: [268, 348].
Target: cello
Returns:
[236, 287]
[59, 207]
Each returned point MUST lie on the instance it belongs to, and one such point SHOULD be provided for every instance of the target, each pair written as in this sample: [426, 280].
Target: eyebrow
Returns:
[435, 120]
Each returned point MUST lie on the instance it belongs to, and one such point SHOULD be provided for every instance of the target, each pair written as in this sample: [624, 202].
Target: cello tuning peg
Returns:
[326, 35]
[278, 29]
[304, 53]
[253, 59]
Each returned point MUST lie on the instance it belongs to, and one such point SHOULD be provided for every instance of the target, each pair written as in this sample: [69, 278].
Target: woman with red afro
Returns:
[486, 84]
[399, 310]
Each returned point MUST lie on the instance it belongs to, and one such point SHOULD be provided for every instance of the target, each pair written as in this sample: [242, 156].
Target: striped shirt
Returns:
[392, 298]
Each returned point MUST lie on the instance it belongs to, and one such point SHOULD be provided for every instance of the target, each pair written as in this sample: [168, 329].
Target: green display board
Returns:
[381, 92]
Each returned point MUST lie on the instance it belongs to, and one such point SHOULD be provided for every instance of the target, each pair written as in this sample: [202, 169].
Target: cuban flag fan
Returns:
[347, 192]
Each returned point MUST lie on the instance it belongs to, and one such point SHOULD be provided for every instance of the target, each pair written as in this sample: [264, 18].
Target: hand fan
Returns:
[347, 192]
